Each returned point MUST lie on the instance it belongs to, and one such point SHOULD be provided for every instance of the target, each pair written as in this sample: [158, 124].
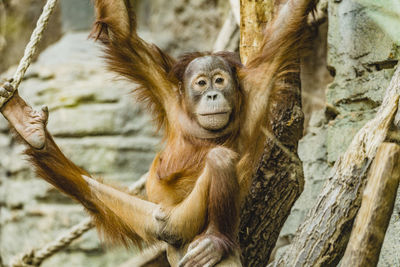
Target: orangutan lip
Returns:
[214, 113]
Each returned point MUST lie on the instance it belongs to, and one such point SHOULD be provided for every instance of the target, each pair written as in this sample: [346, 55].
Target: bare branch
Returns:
[376, 209]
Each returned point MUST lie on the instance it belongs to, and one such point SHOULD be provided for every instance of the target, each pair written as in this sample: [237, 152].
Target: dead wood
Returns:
[376, 209]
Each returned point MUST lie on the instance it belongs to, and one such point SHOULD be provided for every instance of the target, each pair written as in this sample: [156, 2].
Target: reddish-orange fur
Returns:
[55, 168]
[197, 180]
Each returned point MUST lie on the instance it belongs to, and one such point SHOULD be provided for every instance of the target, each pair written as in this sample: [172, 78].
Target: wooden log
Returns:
[376, 209]
[322, 238]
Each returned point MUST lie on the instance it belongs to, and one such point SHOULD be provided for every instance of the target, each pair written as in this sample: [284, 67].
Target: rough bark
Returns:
[323, 236]
[254, 15]
[279, 179]
[376, 209]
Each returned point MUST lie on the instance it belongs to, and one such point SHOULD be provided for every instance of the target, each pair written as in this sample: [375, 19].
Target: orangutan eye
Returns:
[202, 82]
[219, 80]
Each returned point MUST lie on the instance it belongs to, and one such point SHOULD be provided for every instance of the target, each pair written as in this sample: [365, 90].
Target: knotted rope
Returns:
[31, 48]
[36, 257]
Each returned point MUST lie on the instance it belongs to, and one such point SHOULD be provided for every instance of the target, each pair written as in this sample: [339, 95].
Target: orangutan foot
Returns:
[29, 124]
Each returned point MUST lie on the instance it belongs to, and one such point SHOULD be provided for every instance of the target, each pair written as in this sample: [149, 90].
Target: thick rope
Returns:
[31, 48]
[35, 257]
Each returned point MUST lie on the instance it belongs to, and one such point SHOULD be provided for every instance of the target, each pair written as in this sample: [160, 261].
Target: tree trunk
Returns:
[376, 209]
[254, 15]
[279, 178]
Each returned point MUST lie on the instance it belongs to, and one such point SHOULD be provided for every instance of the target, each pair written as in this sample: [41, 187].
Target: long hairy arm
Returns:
[119, 216]
[270, 78]
[114, 212]
[269, 72]
[130, 56]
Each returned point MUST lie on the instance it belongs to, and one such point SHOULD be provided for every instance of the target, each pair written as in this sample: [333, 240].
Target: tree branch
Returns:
[376, 209]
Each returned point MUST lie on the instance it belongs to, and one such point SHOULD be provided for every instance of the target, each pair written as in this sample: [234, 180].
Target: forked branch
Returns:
[321, 239]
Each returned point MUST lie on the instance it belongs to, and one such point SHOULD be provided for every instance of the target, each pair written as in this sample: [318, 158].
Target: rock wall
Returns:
[183, 26]
[76, 15]
[362, 57]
